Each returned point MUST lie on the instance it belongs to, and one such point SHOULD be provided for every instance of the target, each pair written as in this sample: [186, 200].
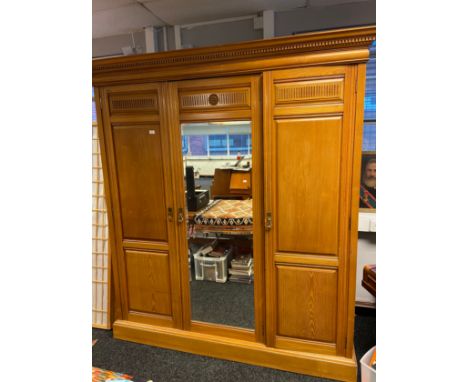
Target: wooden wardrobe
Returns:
[303, 96]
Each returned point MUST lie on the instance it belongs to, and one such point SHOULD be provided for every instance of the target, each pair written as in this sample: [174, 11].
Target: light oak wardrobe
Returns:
[302, 97]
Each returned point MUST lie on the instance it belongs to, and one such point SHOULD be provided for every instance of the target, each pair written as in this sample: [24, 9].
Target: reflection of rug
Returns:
[101, 375]
[234, 216]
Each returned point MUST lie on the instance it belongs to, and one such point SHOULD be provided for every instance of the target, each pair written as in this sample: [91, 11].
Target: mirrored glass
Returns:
[217, 159]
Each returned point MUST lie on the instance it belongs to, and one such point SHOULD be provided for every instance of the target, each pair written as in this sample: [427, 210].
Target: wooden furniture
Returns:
[369, 278]
[230, 183]
[303, 96]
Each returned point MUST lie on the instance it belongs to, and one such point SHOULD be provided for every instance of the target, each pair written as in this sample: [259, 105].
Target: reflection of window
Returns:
[218, 144]
[368, 188]
[369, 140]
[184, 145]
[216, 140]
[240, 144]
[94, 109]
[198, 145]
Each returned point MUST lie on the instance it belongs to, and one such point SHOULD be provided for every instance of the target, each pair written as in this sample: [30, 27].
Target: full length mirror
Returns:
[217, 159]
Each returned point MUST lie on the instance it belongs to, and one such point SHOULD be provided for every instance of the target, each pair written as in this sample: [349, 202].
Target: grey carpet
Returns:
[146, 362]
[223, 303]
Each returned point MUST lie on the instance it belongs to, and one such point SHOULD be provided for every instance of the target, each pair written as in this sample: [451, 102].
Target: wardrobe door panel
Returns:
[307, 303]
[308, 170]
[148, 281]
[308, 130]
[138, 150]
[139, 162]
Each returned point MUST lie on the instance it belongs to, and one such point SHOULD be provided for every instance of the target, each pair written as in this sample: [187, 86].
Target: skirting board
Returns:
[319, 365]
[365, 304]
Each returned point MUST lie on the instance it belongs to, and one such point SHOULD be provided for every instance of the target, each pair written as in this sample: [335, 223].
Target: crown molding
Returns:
[315, 42]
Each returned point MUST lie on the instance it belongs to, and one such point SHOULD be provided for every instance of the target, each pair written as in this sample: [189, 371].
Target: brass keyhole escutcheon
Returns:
[180, 215]
[213, 99]
[268, 221]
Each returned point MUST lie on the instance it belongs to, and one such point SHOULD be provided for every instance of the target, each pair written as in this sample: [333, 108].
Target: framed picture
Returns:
[368, 188]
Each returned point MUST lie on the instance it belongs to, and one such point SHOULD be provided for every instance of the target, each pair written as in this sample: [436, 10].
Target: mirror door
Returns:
[217, 158]
[220, 187]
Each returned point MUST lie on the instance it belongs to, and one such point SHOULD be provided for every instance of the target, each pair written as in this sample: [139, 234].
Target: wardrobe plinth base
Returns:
[319, 365]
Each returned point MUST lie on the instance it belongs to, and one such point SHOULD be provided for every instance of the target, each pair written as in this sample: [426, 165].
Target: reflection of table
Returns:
[231, 183]
[230, 217]
[192, 214]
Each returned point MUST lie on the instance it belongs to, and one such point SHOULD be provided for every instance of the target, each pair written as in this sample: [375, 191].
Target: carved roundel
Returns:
[213, 99]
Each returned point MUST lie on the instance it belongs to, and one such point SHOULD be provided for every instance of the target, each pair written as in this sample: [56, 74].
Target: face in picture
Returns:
[368, 191]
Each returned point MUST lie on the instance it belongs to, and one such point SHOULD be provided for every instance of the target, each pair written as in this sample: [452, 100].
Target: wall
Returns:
[170, 38]
[112, 46]
[207, 166]
[326, 17]
[286, 22]
[221, 33]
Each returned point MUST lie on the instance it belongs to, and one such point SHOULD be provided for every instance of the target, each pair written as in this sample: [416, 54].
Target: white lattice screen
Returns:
[101, 260]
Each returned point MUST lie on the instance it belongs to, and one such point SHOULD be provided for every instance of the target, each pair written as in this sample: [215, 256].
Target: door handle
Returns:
[268, 221]
[180, 215]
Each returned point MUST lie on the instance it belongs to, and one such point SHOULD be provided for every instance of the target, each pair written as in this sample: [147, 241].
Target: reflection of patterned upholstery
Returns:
[101, 375]
[223, 215]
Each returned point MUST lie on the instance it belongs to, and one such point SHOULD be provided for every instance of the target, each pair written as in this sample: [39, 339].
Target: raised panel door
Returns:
[140, 174]
[307, 191]
[138, 151]
[308, 140]
[307, 303]
[149, 288]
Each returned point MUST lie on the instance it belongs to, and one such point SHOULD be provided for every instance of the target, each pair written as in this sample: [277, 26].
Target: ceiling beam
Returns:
[141, 3]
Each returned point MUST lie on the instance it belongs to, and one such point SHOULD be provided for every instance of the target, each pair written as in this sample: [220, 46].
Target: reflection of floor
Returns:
[223, 303]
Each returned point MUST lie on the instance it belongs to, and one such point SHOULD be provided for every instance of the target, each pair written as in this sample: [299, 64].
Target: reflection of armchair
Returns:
[230, 183]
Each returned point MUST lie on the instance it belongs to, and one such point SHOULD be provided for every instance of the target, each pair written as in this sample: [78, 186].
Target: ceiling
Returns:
[114, 17]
